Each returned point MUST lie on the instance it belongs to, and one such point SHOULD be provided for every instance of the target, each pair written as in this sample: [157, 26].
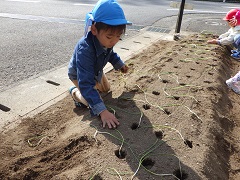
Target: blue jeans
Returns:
[236, 43]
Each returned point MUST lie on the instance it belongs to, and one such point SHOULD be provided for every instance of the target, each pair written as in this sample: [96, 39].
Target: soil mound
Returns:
[178, 121]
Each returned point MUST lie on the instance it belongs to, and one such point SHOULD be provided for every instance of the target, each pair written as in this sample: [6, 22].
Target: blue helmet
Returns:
[108, 12]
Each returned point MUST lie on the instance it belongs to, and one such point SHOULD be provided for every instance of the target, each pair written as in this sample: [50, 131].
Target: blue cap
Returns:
[109, 12]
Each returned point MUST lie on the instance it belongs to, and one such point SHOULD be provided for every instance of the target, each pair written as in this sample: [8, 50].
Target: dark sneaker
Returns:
[77, 104]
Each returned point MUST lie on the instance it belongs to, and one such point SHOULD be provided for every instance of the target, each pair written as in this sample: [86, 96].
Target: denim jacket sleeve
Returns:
[116, 61]
[85, 63]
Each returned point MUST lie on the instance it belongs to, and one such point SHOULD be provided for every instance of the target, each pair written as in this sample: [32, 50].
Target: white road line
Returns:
[42, 18]
[233, 7]
[28, 1]
[79, 4]
[185, 10]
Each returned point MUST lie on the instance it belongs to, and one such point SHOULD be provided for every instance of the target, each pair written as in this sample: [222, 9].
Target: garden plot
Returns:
[178, 121]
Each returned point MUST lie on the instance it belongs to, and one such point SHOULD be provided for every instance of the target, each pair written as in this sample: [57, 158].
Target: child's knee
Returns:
[237, 40]
[103, 87]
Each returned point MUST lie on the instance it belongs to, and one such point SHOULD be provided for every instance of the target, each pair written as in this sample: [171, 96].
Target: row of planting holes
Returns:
[7, 109]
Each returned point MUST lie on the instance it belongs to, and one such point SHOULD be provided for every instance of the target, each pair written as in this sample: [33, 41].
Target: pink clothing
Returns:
[237, 17]
[236, 78]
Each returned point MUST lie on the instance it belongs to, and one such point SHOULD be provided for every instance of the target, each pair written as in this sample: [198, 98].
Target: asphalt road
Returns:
[38, 36]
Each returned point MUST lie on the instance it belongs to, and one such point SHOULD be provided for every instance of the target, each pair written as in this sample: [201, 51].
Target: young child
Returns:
[228, 37]
[107, 23]
[236, 52]
[234, 83]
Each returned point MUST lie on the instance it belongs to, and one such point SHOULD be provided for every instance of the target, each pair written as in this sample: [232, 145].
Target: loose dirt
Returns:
[178, 121]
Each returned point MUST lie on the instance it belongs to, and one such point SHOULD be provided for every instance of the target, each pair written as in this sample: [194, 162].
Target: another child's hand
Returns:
[109, 119]
[124, 69]
[212, 41]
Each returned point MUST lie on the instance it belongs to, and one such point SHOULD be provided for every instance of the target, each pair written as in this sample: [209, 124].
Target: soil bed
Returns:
[178, 121]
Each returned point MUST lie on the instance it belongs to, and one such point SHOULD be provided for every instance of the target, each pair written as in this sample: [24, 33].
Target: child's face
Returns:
[231, 23]
[108, 38]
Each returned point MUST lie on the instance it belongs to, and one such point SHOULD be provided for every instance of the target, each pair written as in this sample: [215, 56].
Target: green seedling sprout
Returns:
[92, 177]
[119, 151]
[193, 113]
[145, 95]
[187, 85]
[175, 78]
[168, 127]
[38, 137]
[180, 95]
[128, 99]
[160, 78]
[193, 45]
[186, 60]
[117, 173]
[162, 174]
[184, 95]
[103, 132]
[144, 155]
[123, 79]
[139, 71]
[114, 112]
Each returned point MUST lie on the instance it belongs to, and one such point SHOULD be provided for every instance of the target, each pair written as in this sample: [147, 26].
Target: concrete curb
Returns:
[37, 94]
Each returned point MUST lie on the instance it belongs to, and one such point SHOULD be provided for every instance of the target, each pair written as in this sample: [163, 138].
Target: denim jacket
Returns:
[86, 66]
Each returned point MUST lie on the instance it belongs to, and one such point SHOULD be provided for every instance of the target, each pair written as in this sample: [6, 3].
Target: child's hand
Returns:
[124, 69]
[109, 119]
[212, 41]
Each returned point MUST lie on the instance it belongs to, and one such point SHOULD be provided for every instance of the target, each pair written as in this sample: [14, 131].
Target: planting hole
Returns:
[208, 82]
[120, 154]
[180, 174]
[176, 97]
[97, 177]
[165, 81]
[188, 143]
[182, 84]
[53, 83]
[155, 92]
[194, 116]
[146, 106]
[167, 111]
[31, 174]
[148, 163]
[68, 157]
[134, 126]
[159, 134]
[188, 76]
[4, 108]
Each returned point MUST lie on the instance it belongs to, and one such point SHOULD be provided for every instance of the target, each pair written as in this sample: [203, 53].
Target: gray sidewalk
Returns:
[39, 93]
